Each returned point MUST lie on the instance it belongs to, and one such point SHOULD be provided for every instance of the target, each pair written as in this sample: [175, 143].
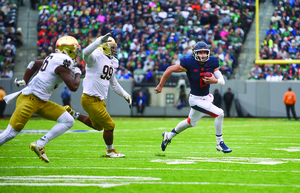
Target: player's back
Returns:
[46, 80]
[99, 71]
[195, 74]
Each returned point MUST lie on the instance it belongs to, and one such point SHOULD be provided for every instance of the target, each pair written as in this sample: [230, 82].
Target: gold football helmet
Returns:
[68, 45]
[109, 48]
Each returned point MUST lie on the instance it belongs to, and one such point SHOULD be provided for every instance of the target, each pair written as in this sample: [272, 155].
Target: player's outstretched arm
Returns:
[90, 48]
[32, 67]
[167, 74]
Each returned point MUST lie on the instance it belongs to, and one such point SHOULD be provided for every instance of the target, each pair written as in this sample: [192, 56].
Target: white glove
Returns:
[77, 70]
[129, 100]
[20, 83]
[104, 39]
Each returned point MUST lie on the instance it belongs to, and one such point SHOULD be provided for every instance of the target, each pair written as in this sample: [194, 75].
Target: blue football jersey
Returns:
[195, 72]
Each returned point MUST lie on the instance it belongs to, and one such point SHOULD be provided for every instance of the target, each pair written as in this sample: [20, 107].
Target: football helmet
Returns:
[68, 45]
[109, 48]
[201, 46]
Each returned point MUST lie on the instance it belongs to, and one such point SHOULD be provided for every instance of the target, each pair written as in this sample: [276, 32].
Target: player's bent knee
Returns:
[110, 126]
[19, 126]
[191, 123]
[66, 119]
[221, 113]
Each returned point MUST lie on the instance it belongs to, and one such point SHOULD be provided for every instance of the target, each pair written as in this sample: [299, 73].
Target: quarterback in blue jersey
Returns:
[200, 99]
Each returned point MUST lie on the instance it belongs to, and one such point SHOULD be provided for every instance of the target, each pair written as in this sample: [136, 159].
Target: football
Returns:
[207, 74]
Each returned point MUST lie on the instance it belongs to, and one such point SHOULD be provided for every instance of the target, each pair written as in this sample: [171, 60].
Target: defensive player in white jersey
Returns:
[101, 63]
[55, 69]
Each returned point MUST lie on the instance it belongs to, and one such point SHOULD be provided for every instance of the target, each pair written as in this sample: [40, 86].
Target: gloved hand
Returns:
[129, 100]
[20, 83]
[104, 39]
[77, 70]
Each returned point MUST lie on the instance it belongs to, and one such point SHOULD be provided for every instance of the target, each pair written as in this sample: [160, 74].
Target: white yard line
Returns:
[135, 168]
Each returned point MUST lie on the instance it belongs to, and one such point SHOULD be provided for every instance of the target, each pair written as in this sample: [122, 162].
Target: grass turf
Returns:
[265, 158]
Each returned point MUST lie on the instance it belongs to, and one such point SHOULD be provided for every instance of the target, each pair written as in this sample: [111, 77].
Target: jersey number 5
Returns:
[107, 72]
[202, 83]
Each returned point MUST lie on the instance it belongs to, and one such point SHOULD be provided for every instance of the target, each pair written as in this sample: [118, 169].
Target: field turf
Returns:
[265, 158]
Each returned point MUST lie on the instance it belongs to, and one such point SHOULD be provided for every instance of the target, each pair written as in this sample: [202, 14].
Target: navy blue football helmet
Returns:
[201, 46]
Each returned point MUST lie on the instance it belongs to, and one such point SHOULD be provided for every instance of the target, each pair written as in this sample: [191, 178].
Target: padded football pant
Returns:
[201, 105]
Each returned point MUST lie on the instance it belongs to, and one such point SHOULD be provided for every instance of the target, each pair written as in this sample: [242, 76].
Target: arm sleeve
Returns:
[116, 87]
[87, 52]
[220, 78]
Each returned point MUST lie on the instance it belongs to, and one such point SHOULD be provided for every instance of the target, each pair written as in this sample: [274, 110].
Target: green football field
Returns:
[265, 158]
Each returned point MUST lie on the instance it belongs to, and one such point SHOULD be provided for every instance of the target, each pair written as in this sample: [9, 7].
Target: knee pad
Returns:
[66, 119]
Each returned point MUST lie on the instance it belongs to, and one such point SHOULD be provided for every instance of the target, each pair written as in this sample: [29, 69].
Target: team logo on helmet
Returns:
[201, 46]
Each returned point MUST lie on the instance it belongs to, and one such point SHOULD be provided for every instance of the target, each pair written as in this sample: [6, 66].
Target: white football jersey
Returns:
[100, 73]
[46, 81]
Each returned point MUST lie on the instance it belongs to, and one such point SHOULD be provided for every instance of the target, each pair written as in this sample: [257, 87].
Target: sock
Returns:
[219, 138]
[172, 134]
[183, 125]
[8, 134]
[65, 122]
[110, 147]
[76, 115]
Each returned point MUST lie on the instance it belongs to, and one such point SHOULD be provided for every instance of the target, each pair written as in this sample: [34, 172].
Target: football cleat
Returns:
[71, 112]
[165, 141]
[222, 147]
[40, 151]
[113, 153]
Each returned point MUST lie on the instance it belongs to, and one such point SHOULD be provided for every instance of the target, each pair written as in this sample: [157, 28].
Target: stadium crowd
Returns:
[151, 35]
[10, 37]
[282, 42]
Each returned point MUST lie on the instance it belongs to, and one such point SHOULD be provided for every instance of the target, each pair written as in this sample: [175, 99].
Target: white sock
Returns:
[183, 125]
[8, 134]
[219, 138]
[110, 147]
[65, 122]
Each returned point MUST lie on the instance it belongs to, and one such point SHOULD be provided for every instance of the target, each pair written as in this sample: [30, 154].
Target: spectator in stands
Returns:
[11, 46]
[256, 70]
[138, 74]
[270, 76]
[271, 31]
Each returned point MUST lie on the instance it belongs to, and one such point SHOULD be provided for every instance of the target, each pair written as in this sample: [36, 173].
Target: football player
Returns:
[34, 98]
[101, 64]
[200, 99]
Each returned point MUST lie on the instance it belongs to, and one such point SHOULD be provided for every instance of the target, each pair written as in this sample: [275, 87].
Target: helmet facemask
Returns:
[203, 57]
[110, 48]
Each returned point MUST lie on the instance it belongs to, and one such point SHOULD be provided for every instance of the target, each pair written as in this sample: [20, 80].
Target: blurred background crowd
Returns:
[282, 42]
[10, 37]
[151, 35]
